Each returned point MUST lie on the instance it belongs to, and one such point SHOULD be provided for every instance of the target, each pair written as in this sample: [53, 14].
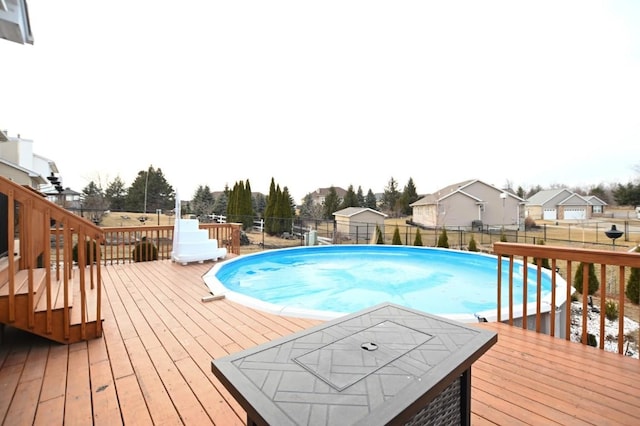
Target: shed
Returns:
[358, 223]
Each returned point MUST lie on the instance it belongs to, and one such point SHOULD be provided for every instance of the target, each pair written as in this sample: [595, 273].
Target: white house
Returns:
[19, 163]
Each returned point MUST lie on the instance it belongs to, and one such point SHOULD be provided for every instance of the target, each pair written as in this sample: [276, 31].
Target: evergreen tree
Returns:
[379, 236]
[627, 195]
[233, 203]
[309, 209]
[270, 209]
[278, 227]
[116, 195]
[287, 210]
[443, 239]
[360, 197]
[396, 240]
[473, 246]
[331, 204]
[545, 261]
[202, 202]
[350, 199]
[246, 207]
[279, 211]
[600, 192]
[221, 202]
[391, 197]
[371, 201]
[259, 204]
[240, 205]
[594, 284]
[418, 239]
[633, 283]
[150, 191]
[409, 196]
[94, 202]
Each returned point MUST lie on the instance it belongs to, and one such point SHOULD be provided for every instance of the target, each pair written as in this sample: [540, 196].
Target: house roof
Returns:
[352, 211]
[323, 192]
[571, 198]
[541, 198]
[595, 201]
[458, 188]
[574, 200]
[32, 175]
[66, 191]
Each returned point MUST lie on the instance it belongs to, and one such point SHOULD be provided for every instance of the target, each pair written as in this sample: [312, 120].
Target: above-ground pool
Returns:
[325, 282]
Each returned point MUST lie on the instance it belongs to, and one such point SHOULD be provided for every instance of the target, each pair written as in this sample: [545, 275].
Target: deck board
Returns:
[153, 363]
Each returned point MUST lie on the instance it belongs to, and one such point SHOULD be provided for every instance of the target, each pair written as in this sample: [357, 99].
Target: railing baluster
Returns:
[603, 299]
[553, 296]
[586, 258]
[499, 304]
[511, 289]
[525, 291]
[585, 301]
[621, 310]
[567, 313]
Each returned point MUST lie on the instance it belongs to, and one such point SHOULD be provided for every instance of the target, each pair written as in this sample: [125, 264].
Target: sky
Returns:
[314, 94]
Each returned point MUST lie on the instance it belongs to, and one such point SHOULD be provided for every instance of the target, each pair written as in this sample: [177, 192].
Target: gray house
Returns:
[597, 205]
[469, 203]
[563, 204]
[358, 223]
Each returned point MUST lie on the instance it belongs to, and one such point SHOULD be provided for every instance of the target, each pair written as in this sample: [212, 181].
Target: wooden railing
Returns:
[565, 260]
[121, 241]
[34, 225]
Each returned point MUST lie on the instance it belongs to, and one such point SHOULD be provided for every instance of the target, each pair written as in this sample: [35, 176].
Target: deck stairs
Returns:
[33, 316]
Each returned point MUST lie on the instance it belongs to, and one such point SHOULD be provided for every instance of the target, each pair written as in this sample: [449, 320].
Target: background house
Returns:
[562, 204]
[19, 163]
[596, 204]
[318, 196]
[358, 223]
[469, 203]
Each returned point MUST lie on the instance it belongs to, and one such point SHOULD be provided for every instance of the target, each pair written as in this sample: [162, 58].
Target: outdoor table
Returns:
[387, 364]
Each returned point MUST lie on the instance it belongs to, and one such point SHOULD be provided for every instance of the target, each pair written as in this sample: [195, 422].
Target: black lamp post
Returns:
[614, 234]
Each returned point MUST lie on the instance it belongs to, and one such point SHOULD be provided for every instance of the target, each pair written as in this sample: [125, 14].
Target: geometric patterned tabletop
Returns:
[363, 368]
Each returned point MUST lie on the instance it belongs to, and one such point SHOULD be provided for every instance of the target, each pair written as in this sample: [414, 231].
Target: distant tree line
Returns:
[151, 191]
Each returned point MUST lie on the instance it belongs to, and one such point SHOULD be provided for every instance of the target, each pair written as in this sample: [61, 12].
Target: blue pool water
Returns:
[329, 281]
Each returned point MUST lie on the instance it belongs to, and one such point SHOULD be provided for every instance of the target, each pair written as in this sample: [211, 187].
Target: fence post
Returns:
[626, 230]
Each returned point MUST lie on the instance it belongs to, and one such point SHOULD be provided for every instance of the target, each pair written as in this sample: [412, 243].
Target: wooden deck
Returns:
[153, 364]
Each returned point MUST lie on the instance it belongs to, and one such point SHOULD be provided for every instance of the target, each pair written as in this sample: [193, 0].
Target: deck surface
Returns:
[153, 364]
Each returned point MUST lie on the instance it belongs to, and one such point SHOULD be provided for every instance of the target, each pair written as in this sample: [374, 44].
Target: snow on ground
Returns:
[610, 327]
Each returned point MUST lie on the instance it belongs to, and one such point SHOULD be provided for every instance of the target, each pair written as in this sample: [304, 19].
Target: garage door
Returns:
[575, 214]
[549, 214]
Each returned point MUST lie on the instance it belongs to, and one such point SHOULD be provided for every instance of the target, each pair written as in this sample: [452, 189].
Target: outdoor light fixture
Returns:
[614, 234]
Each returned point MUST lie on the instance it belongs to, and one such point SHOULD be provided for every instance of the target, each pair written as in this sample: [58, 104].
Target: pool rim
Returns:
[217, 288]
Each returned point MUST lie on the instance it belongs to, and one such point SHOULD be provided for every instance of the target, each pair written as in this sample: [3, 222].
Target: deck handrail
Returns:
[563, 259]
[33, 224]
[120, 241]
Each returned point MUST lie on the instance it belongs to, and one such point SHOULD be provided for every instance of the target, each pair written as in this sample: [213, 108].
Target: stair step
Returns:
[4, 268]
[57, 296]
[21, 283]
